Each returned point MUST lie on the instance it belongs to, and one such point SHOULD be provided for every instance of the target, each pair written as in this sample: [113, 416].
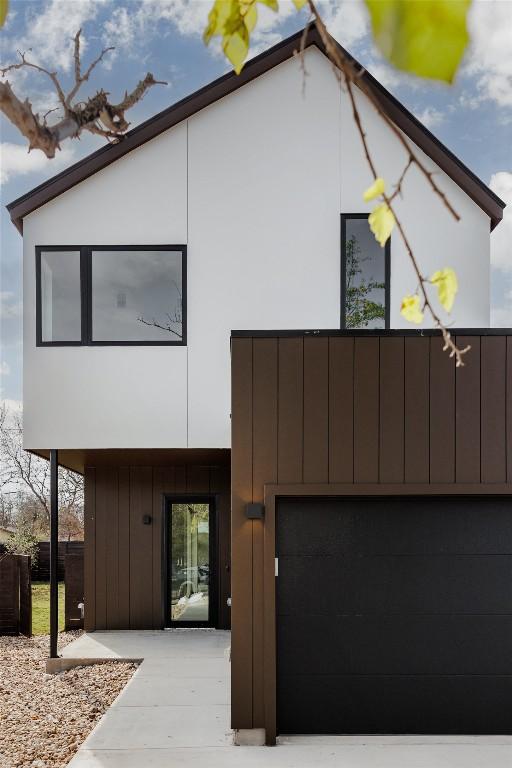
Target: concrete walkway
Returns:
[174, 713]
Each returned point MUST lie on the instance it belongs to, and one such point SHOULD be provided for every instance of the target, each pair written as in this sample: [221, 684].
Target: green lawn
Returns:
[41, 607]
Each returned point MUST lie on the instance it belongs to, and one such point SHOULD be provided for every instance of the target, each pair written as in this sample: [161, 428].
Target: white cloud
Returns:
[431, 117]
[131, 27]
[15, 160]
[5, 368]
[10, 307]
[489, 58]
[346, 20]
[501, 238]
[50, 31]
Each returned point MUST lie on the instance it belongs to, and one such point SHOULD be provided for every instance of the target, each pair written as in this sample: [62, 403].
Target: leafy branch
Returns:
[385, 215]
[96, 115]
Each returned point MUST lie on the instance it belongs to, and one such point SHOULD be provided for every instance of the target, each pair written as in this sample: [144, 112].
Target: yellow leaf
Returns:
[299, 4]
[376, 189]
[4, 7]
[426, 38]
[381, 221]
[411, 309]
[447, 286]
[236, 47]
[233, 21]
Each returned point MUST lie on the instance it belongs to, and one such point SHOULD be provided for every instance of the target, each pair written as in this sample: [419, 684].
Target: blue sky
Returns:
[473, 118]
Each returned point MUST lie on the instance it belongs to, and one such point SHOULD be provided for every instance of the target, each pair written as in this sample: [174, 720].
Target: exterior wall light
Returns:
[254, 511]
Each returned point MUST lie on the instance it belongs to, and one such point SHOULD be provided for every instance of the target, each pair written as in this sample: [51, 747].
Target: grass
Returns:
[41, 607]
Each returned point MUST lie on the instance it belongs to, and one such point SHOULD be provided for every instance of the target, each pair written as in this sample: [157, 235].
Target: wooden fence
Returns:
[15, 595]
[41, 569]
[41, 572]
[74, 591]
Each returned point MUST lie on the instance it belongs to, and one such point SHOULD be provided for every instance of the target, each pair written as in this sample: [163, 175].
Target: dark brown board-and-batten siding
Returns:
[123, 557]
[355, 410]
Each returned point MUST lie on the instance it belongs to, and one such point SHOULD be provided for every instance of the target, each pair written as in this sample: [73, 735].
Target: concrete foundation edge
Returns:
[55, 666]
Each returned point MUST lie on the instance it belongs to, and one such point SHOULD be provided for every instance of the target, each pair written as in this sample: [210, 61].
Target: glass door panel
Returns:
[190, 570]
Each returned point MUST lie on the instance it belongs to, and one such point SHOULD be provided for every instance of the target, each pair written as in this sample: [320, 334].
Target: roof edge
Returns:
[474, 187]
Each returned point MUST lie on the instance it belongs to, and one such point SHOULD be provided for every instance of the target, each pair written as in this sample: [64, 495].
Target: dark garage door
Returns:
[394, 615]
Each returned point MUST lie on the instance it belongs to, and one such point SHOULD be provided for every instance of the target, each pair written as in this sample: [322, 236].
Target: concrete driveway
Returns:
[175, 713]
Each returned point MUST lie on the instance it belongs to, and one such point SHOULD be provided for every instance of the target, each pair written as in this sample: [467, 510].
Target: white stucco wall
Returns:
[254, 185]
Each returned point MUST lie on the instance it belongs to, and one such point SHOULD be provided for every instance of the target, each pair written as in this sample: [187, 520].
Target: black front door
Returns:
[191, 563]
[394, 615]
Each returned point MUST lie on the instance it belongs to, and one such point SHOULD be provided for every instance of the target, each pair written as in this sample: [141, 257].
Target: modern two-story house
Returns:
[339, 496]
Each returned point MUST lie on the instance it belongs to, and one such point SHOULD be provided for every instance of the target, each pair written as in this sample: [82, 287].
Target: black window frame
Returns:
[387, 272]
[86, 296]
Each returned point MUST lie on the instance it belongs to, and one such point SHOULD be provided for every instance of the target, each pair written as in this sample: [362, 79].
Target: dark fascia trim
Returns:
[351, 332]
[209, 94]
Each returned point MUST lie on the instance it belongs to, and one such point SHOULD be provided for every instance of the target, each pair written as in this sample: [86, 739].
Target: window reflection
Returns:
[137, 295]
[190, 562]
[60, 296]
[365, 277]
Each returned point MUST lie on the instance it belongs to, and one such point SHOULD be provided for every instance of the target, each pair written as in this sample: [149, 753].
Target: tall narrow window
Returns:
[137, 295]
[365, 275]
[59, 311]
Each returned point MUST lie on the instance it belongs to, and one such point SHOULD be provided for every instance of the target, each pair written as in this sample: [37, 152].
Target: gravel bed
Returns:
[44, 718]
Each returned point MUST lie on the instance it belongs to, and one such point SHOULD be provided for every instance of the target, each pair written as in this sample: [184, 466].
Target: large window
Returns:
[365, 272]
[111, 295]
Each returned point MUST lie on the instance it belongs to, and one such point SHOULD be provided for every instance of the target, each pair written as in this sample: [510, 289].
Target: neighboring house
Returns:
[240, 208]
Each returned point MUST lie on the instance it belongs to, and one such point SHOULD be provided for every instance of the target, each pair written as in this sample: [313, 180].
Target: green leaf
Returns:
[299, 4]
[376, 189]
[4, 7]
[447, 286]
[381, 221]
[411, 309]
[426, 38]
[233, 21]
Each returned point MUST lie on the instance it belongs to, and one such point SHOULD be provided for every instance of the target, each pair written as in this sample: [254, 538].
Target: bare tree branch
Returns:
[96, 115]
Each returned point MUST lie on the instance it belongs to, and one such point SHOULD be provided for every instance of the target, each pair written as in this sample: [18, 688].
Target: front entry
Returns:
[191, 594]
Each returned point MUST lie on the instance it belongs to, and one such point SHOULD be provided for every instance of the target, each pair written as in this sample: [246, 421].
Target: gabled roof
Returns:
[421, 136]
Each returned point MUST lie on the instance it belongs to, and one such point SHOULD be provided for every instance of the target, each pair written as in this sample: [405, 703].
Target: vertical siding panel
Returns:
[124, 547]
[291, 401]
[416, 408]
[316, 410]
[391, 454]
[112, 547]
[141, 548]
[241, 565]
[264, 471]
[467, 413]
[90, 548]
[341, 410]
[366, 410]
[442, 413]
[220, 487]
[493, 423]
[508, 408]
[180, 480]
[101, 547]
[198, 479]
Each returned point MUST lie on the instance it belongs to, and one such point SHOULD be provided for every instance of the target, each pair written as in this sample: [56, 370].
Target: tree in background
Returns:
[25, 485]
[360, 309]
